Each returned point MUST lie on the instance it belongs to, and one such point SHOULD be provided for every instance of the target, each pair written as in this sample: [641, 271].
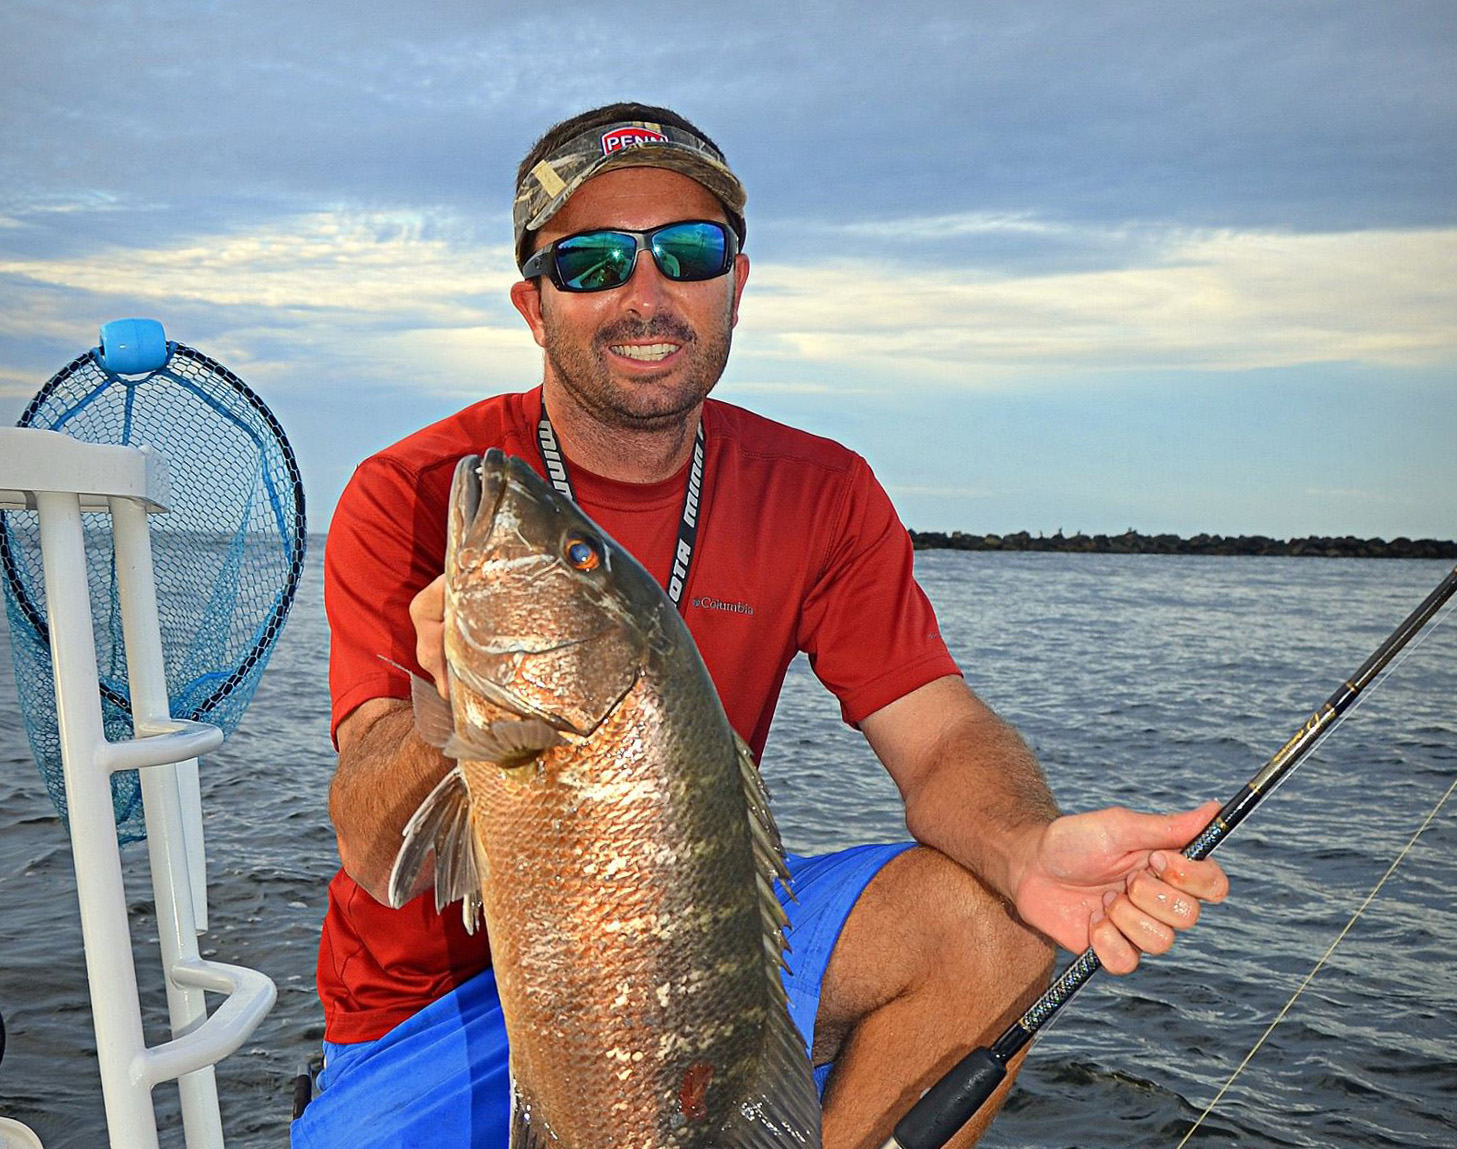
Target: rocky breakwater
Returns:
[1135, 543]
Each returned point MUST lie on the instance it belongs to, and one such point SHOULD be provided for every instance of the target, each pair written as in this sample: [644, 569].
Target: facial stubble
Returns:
[648, 402]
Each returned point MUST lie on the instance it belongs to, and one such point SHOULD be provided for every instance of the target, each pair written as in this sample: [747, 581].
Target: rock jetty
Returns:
[1134, 543]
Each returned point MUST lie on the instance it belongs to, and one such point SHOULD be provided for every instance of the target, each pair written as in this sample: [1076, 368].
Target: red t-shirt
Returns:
[798, 549]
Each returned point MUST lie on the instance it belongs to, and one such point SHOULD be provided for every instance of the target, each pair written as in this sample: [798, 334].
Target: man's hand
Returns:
[427, 612]
[1115, 880]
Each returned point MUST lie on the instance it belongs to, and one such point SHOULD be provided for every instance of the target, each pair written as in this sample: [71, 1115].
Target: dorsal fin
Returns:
[782, 1108]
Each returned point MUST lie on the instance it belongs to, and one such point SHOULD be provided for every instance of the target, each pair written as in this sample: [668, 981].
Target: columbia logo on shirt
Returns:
[707, 602]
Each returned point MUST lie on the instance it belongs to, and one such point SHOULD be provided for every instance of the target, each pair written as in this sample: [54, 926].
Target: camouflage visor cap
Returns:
[631, 144]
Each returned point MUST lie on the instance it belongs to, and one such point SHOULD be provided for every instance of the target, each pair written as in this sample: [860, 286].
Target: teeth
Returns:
[648, 354]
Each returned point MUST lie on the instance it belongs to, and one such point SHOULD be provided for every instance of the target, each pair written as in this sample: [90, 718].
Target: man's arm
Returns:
[971, 787]
[385, 768]
[973, 790]
[385, 771]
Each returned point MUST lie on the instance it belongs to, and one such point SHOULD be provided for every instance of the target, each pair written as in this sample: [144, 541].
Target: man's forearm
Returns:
[385, 771]
[982, 801]
[972, 787]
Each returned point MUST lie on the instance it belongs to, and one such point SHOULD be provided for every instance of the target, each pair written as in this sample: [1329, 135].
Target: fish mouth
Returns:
[485, 518]
[497, 472]
[467, 494]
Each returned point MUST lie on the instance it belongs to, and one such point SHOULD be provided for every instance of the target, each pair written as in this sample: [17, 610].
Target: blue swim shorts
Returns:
[441, 1077]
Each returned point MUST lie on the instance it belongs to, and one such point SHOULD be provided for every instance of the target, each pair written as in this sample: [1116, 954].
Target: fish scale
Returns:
[607, 881]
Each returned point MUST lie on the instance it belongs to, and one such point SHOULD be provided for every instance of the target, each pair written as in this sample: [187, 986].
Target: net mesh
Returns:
[228, 553]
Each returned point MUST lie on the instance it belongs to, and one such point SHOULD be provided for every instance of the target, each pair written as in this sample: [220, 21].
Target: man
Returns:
[629, 225]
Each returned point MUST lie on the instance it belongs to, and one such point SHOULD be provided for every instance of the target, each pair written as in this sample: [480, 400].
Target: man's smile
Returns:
[645, 352]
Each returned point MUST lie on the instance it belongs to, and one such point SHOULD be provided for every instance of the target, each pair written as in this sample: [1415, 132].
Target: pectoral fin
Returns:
[508, 744]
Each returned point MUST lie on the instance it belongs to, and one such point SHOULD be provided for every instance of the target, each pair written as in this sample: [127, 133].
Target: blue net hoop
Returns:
[228, 553]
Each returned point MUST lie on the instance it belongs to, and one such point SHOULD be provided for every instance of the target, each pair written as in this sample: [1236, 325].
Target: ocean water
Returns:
[1149, 681]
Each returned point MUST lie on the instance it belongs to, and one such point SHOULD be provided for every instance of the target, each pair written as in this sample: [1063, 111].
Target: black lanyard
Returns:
[556, 473]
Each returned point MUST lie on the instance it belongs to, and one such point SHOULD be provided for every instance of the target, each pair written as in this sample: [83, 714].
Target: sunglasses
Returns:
[601, 260]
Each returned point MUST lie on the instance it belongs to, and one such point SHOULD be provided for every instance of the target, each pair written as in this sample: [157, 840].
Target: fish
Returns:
[614, 832]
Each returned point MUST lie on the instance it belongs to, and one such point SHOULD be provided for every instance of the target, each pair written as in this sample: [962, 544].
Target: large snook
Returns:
[617, 834]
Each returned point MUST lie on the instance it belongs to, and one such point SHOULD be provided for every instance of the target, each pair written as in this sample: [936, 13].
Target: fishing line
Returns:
[1437, 622]
[1433, 626]
[1340, 937]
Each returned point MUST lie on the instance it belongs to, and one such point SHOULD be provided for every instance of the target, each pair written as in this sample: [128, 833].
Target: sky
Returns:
[1048, 265]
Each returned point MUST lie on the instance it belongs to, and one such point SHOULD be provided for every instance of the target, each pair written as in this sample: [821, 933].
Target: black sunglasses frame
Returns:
[543, 262]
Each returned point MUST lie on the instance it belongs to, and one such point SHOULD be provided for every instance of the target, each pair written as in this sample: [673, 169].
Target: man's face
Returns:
[648, 352]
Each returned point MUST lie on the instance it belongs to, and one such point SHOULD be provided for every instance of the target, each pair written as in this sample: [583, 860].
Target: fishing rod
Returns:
[953, 1100]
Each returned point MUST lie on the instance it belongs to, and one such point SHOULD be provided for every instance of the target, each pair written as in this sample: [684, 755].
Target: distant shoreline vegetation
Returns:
[1132, 542]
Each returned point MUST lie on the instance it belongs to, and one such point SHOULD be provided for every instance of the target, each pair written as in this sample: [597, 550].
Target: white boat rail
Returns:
[61, 477]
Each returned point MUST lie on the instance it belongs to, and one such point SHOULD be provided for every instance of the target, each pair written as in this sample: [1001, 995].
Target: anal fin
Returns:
[782, 1110]
[442, 826]
[528, 1130]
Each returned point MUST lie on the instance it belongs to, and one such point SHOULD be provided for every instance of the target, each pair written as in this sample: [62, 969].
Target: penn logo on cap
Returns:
[620, 139]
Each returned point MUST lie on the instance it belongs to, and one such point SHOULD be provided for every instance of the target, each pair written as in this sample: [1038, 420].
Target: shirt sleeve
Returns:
[386, 542]
[867, 626]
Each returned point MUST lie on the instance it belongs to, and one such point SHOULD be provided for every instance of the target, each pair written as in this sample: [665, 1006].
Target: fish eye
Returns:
[584, 554]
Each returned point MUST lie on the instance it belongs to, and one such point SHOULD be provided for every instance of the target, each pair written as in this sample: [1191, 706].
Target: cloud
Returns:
[380, 296]
[352, 262]
[1075, 206]
[1242, 114]
[372, 297]
[1222, 301]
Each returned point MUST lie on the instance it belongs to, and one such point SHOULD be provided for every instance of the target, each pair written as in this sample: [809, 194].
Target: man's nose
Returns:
[646, 288]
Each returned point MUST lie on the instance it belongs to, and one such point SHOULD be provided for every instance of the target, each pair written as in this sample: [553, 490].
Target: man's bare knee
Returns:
[985, 962]
[930, 965]
[926, 928]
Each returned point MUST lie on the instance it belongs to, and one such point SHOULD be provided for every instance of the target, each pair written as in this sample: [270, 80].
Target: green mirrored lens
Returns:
[690, 250]
[596, 260]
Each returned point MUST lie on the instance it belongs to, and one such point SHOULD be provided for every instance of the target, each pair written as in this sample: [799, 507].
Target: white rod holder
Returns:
[180, 741]
[250, 996]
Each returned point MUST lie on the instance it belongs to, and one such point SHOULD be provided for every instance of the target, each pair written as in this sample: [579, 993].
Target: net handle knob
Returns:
[132, 346]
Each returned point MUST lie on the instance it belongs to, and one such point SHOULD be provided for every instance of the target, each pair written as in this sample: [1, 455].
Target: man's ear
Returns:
[526, 298]
[741, 277]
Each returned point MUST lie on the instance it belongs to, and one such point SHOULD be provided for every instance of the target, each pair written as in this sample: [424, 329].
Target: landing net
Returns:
[228, 552]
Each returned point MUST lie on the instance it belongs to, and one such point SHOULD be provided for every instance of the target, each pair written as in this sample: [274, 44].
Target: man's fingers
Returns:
[429, 603]
[1113, 949]
[1146, 918]
[1166, 835]
[1164, 831]
[1162, 902]
[1205, 880]
[1125, 928]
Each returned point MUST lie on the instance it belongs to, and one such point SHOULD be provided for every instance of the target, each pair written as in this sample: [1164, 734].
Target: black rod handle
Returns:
[950, 1103]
